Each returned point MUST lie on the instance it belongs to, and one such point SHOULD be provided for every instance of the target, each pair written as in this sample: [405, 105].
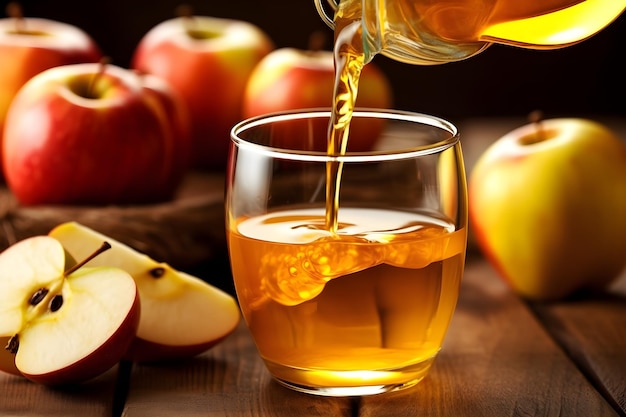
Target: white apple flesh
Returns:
[547, 207]
[64, 328]
[181, 315]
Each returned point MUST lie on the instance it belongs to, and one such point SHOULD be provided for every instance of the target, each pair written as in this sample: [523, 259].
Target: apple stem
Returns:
[185, 11]
[317, 40]
[535, 117]
[105, 246]
[14, 10]
[90, 93]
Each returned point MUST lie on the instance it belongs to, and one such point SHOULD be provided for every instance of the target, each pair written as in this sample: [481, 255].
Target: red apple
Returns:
[289, 78]
[176, 112]
[547, 207]
[208, 60]
[65, 325]
[31, 45]
[94, 134]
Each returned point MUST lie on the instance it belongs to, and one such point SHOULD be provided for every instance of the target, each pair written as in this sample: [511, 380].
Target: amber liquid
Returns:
[378, 317]
[336, 300]
[533, 24]
[541, 24]
[365, 306]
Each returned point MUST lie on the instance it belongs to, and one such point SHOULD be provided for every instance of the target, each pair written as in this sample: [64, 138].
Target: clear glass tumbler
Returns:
[347, 267]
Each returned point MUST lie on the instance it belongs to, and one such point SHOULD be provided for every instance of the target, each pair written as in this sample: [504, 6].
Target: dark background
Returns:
[586, 79]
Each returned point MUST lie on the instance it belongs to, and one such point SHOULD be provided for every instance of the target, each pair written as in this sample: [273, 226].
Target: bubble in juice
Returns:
[297, 256]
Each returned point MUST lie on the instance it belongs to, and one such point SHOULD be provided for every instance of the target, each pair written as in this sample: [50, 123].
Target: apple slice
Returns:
[181, 315]
[64, 326]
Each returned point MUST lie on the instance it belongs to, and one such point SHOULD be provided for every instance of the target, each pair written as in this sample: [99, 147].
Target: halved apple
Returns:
[64, 325]
[181, 315]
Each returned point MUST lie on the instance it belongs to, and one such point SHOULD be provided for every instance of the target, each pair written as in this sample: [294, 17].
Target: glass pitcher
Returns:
[428, 32]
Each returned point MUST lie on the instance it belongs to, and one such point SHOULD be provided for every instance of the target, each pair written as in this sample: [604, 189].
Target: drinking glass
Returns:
[347, 267]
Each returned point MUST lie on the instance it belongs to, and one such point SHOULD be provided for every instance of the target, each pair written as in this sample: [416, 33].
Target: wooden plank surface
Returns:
[98, 397]
[497, 361]
[592, 330]
[228, 380]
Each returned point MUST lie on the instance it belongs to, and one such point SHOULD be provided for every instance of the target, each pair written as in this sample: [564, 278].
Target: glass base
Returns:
[333, 383]
[347, 391]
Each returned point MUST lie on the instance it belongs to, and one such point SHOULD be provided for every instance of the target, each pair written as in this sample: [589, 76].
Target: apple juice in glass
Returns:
[347, 266]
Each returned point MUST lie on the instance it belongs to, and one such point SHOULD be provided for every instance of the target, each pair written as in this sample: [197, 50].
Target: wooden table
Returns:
[502, 357]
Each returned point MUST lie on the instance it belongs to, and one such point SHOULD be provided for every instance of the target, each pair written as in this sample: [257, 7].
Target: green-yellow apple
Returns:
[181, 315]
[64, 325]
[289, 78]
[31, 45]
[547, 204]
[95, 134]
[208, 60]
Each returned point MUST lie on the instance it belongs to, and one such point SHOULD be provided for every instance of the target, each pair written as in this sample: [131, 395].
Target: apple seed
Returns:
[56, 303]
[157, 272]
[13, 344]
[38, 296]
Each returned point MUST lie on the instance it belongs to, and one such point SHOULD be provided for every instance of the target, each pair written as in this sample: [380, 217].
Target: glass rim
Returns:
[351, 156]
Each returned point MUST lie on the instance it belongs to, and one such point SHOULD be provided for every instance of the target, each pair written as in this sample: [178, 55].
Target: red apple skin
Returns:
[209, 69]
[62, 148]
[46, 44]
[176, 112]
[99, 361]
[288, 79]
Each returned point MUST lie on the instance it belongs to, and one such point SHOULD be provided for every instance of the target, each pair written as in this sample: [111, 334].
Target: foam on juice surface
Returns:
[307, 256]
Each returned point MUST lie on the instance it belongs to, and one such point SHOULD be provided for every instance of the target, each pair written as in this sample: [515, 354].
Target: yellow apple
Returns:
[547, 204]
[181, 315]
